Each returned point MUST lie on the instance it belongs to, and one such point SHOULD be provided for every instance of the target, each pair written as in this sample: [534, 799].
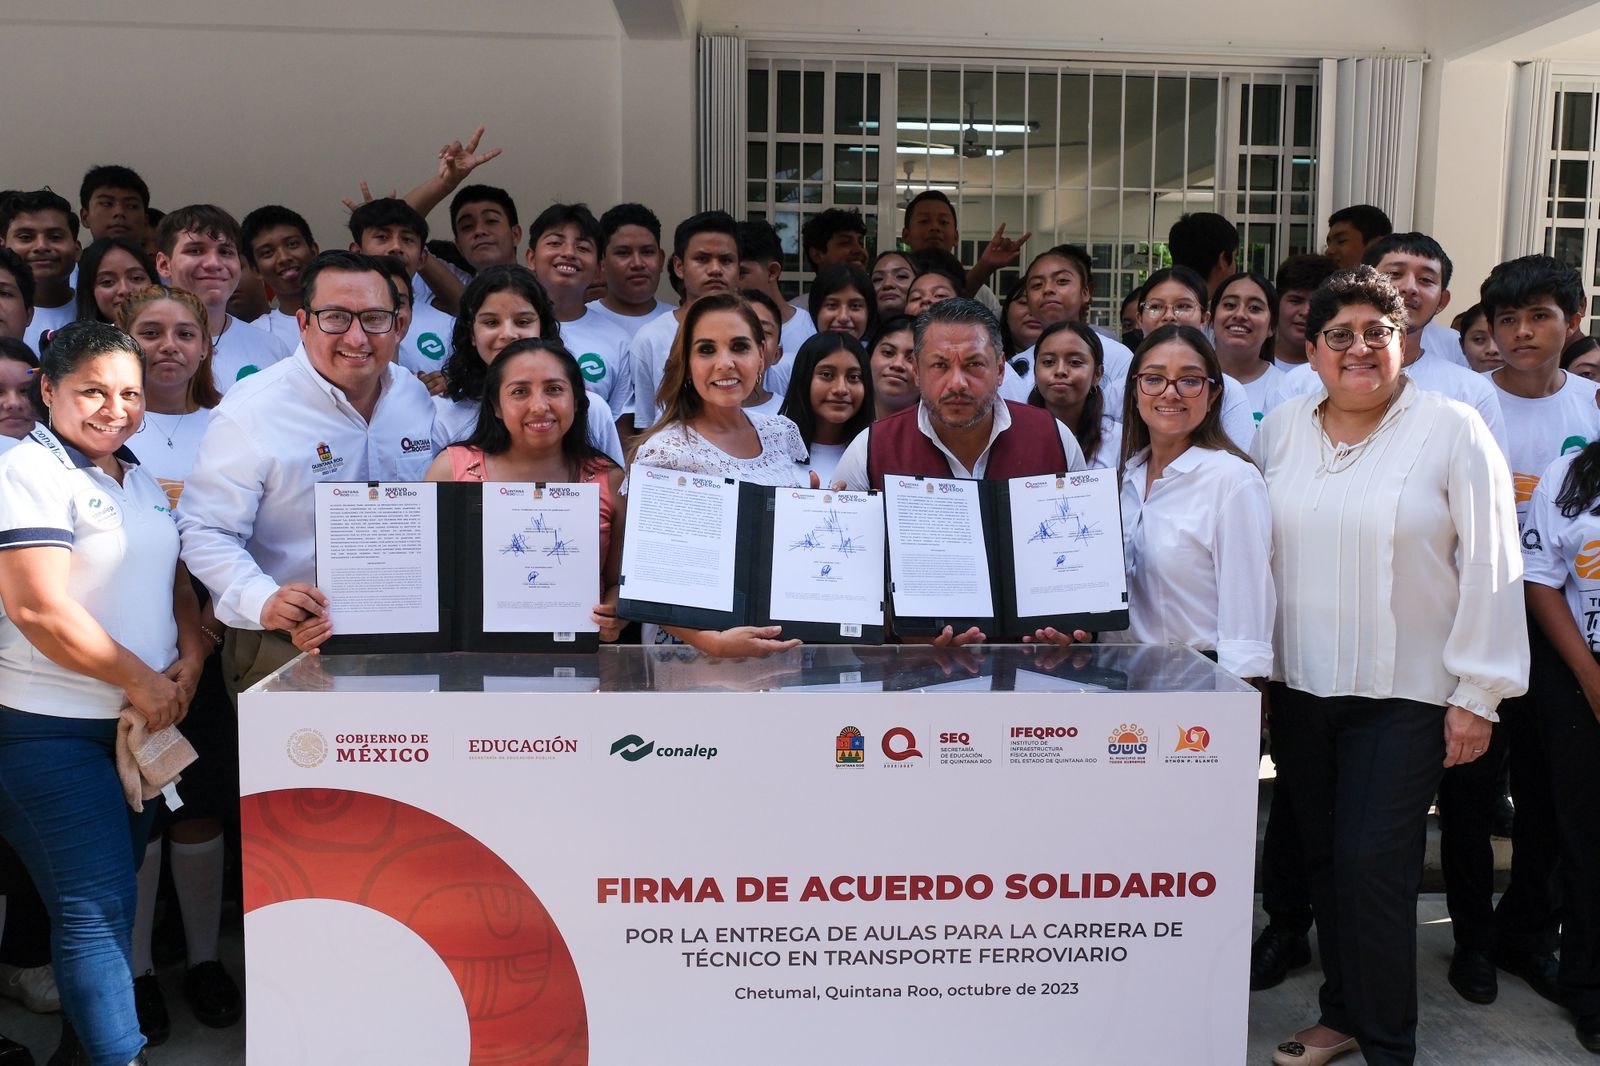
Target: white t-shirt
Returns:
[793, 334]
[601, 348]
[427, 340]
[1199, 553]
[1538, 432]
[630, 323]
[48, 318]
[454, 421]
[1116, 357]
[770, 406]
[1109, 454]
[1440, 339]
[124, 556]
[167, 446]
[647, 358]
[1561, 552]
[242, 351]
[282, 326]
[824, 460]
[1257, 391]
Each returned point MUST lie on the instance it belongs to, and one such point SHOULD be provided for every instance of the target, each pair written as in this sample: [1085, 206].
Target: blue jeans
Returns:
[62, 809]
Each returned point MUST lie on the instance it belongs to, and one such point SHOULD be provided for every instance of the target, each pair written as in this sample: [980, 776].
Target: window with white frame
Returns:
[1107, 156]
[1572, 200]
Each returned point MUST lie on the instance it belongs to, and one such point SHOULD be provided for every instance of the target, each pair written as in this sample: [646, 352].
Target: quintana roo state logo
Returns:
[520, 987]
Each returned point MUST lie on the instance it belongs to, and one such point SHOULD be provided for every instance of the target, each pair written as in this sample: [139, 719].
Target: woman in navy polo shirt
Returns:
[98, 615]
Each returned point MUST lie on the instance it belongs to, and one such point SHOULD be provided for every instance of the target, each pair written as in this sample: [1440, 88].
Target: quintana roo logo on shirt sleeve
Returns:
[593, 367]
[96, 510]
[1587, 564]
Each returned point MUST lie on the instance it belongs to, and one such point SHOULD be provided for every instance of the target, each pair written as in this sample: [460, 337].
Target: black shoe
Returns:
[212, 995]
[1274, 954]
[14, 1054]
[1538, 968]
[69, 1052]
[151, 1005]
[1504, 814]
[1589, 1033]
[1472, 975]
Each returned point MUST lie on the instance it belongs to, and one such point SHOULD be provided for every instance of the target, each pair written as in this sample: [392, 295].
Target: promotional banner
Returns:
[775, 877]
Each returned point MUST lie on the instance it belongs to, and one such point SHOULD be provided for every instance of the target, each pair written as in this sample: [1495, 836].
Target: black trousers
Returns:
[1468, 796]
[1529, 914]
[1285, 896]
[1569, 736]
[1363, 772]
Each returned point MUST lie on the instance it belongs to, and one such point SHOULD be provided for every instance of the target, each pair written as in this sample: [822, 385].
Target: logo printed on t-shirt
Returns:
[246, 370]
[1573, 444]
[1587, 564]
[97, 512]
[593, 367]
[431, 346]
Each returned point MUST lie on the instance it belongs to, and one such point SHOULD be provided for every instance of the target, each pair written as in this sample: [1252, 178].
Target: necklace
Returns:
[1337, 458]
[150, 420]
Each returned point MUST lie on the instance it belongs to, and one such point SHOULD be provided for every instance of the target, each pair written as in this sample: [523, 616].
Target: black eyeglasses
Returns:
[337, 320]
[1339, 339]
[1189, 386]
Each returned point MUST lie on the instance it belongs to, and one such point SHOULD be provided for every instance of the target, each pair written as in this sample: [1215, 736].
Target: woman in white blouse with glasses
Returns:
[1400, 628]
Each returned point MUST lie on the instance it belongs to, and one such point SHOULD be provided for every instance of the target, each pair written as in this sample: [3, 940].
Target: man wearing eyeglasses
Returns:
[340, 409]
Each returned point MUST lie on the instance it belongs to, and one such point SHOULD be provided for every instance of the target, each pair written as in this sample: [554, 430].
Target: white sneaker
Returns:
[34, 987]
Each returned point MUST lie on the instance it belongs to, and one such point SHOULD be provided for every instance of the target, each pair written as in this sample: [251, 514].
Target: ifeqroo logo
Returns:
[307, 748]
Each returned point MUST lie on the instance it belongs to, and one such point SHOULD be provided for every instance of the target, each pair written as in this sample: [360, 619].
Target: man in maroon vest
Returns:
[962, 428]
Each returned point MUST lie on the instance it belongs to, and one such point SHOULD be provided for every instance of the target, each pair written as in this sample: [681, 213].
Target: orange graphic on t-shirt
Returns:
[1588, 562]
[1524, 484]
[172, 488]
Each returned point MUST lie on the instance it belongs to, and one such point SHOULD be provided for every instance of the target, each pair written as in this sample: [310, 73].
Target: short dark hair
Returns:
[490, 434]
[473, 194]
[820, 228]
[387, 211]
[961, 311]
[939, 262]
[557, 215]
[925, 196]
[629, 215]
[757, 296]
[1412, 243]
[111, 176]
[1367, 220]
[1201, 238]
[208, 219]
[1363, 285]
[1076, 254]
[464, 369]
[20, 272]
[1304, 272]
[76, 342]
[272, 216]
[34, 202]
[1520, 282]
[89, 266]
[892, 324]
[398, 276]
[797, 400]
[759, 242]
[347, 263]
[704, 222]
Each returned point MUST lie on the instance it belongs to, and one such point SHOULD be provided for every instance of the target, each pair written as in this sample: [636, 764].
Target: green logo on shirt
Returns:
[246, 370]
[431, 346]
[1573, 444]
[593, 367]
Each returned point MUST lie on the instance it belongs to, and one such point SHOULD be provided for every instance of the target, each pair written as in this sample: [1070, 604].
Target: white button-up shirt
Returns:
[248, 519]
[852, 468]
[1199, 554]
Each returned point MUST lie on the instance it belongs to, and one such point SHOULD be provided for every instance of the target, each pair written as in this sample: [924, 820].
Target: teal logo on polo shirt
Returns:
[431, 346]
[246, 370]
[593, 367]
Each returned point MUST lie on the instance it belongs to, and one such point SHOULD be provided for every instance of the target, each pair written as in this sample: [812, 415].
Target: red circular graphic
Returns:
[518, 981]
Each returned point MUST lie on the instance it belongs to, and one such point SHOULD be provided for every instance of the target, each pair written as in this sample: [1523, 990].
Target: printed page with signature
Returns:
[541, 558]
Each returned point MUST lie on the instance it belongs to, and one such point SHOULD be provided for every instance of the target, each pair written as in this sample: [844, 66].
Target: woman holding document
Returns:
[704, 429]
[1196, 528]
[533, 427]
[98, 615]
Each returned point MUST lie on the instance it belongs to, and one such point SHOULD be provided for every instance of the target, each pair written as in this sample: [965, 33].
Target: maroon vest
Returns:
[1031, 446]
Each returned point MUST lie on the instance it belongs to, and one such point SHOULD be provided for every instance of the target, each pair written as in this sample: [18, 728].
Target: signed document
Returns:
[1066, 544]
[681, 540]
[378, 556]
[827, 558]
[541, 558]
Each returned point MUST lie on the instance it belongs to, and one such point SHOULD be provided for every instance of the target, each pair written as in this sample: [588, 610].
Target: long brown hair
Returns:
[676, 397]
[1209, 433]
[202, 387]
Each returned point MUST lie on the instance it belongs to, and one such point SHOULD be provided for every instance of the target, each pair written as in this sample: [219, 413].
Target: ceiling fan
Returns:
[971, 147]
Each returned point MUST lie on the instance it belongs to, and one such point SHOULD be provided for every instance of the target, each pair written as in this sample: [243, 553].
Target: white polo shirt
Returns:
[242, 351]
[248, 522]
[601, 349]
[427, 341]
[852, 468]
[124, 555]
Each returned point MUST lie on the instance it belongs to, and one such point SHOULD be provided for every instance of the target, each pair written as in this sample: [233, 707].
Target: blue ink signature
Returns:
[809, 542]
[827, 568]
[533, 576]
[561, 548]
[518, 545]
